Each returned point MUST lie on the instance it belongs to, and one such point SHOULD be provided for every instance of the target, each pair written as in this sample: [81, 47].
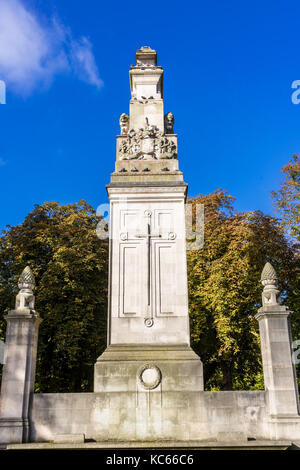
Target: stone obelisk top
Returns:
[147, 145]
[146, 56]
[146, 86]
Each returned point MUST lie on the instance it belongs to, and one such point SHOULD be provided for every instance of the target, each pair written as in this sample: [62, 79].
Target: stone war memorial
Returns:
[148, 383]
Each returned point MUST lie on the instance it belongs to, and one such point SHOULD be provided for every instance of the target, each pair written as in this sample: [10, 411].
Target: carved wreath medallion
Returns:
[149, 375]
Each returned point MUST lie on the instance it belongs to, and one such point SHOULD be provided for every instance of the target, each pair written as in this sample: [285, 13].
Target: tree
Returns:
[225, 289]
[69, 262]
[287, 198]
[287, 203]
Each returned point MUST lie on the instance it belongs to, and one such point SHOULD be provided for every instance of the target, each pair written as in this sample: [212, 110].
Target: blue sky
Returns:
[229, 67]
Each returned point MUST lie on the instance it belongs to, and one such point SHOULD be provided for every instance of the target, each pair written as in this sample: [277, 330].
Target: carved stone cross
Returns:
[162, 234]
[148, 235]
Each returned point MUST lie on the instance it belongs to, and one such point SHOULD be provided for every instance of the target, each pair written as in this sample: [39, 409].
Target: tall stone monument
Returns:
[148, 334]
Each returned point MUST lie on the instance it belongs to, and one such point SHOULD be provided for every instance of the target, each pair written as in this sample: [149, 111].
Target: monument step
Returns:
[203, 445]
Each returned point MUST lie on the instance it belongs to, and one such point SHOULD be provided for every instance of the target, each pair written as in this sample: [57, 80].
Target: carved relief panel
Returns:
[146, 282]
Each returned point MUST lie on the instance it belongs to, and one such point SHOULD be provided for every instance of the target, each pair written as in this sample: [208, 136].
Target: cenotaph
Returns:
[148, 335]
[148, 383]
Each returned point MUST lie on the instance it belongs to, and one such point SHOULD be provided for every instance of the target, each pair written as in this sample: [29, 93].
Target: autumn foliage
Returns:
[70, 263]
[225, 289]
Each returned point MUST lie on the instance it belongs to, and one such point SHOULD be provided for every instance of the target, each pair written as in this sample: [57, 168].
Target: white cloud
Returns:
[84, 62]
[31, 53]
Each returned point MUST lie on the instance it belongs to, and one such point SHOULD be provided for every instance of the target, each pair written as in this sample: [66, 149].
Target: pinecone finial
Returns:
[26, 280]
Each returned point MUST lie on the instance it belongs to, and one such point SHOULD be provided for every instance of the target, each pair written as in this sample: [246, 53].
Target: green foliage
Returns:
[70, 265]
[287, 198]
[69, 262]
[287, 204]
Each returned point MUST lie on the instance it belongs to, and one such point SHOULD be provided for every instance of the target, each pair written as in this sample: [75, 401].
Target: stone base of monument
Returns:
[151, 383]
[13, 430]
[148, 369]
[200, 445]
[153, 419]
[127, 418]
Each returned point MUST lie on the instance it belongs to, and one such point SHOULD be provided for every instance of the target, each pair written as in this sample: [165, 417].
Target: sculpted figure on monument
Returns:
[163, 144]
[124, 123]
[147, 143]
[172, 149]
[123, 149]
[167, 148]
[169, 123]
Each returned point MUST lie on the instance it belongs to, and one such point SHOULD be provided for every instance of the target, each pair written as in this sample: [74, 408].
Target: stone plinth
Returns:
[147, 368]
[18, 374]
[170, 444]
[279, 370]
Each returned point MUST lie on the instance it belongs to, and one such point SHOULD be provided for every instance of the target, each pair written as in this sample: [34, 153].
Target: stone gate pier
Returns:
[148, 383]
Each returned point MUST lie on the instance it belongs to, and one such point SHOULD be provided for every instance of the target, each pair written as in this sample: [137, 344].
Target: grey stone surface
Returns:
[19, 369]
[154, 416]
[148, 282]
[68, 438]
[279, 370]
[205, 445]
[282, 394]
[119, 368]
